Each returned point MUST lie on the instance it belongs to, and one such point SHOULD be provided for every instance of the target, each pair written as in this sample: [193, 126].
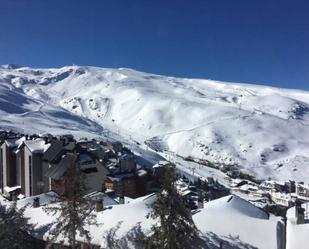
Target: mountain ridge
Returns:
[260, 130]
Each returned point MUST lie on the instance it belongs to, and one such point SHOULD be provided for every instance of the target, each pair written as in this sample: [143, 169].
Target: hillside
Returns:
[260, 130]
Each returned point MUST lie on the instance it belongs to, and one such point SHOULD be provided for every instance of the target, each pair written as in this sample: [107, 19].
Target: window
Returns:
[90, 170]
[1, 170]
[30, 175]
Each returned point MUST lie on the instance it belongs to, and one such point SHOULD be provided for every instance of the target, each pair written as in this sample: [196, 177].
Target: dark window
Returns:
[90, 170]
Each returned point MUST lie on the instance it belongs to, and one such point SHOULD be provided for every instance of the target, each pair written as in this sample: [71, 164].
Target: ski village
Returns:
[159, 124]
[116, 158]
[120, 190]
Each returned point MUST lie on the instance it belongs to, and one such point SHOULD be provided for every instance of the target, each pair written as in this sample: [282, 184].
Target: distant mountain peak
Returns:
[11, 66]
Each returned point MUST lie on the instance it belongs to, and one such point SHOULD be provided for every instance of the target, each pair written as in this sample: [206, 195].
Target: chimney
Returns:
[63, 141]
[36, 202]
[14, 197]
[121, 199]
[99, 206]
[299, 213]
[45, 138]
[301, 216]
[200, 200]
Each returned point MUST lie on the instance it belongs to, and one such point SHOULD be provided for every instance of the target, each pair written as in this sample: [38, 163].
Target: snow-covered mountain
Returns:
[261, 130]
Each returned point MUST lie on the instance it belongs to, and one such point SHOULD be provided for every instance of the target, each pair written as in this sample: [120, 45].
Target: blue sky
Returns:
[254, 41]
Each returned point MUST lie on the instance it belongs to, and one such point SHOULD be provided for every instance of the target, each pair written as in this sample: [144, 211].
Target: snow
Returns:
[44, 199]
[118, 178]
[122, 219]
[262, 130]
[14, 142]
[296, 235]
[237, 218]
[107, 201]
[281, 195]
[230, 219]
[11, 189]
[141, 172]
[37, 145]
[118, 218]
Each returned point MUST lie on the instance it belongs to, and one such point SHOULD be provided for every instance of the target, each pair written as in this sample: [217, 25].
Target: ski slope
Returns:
[262, 131]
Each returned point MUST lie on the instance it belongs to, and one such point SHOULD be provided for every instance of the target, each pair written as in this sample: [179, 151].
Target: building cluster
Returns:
[31, 165]
[194, 198]
[284, 194]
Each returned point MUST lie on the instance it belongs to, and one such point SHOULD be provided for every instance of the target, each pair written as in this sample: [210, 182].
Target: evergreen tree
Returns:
[15, 229]
[176, 229]
[199, 183]
[73, 210]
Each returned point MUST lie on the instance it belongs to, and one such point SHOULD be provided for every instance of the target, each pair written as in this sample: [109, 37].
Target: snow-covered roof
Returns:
[141, 172]
[127, 156]
[11, 189]
[281, 195]
[260, 191]
[247, 187]
[113, 160]
[119, 218]
[237, 181]
[14, 142]
[187, 192]
[232, 216]
[118, 178]
[301, 185]
[107, 201]
[228, 217]
[161, 164]
[37, 145]
[44, 199]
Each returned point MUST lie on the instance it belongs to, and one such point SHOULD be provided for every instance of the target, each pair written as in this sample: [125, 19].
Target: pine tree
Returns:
[199, 183]
[73, 210]
[15, 229]
[176, 229]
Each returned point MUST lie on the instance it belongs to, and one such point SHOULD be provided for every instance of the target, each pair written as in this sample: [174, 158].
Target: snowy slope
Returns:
[28, 113]
[262, 130]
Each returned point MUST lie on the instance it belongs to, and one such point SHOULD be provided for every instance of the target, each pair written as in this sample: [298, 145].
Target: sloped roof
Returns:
[161, 164]
[119, 178]
[108, 201]
[54, 151]
[37, 145]
[234, 216]
[229, 219]
[14, 142]
[58, 170]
